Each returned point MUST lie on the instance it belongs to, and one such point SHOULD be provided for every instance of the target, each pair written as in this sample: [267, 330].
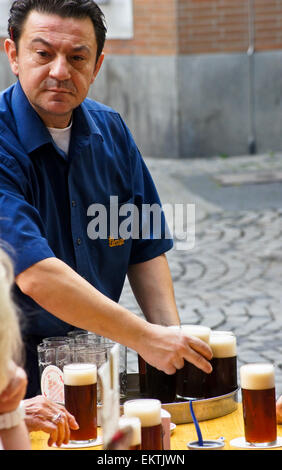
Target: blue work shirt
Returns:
[45, 196]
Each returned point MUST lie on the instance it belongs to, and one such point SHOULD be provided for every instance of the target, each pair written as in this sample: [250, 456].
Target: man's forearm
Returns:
[65, 294]
[152, 285]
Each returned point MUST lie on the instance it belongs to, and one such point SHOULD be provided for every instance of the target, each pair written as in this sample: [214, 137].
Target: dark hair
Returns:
[64, 8]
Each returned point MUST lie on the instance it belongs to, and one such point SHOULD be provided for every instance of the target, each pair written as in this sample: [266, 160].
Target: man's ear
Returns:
[11, 51]
[98, 66]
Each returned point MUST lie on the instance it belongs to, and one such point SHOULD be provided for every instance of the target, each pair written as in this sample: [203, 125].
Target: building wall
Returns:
[225, 98]
[183, 82]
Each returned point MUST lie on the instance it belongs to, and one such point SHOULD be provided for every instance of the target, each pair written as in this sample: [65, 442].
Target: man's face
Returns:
[55, 63]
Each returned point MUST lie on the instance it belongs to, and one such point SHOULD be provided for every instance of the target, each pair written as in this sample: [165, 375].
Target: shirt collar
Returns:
[84, 123]
[31, 129]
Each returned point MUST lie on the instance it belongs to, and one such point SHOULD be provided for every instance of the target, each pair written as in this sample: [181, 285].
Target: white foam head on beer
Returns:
[146, 409]
[201, 332]
[257, 376]
[135, 424]
[223, 345]
[78, 374]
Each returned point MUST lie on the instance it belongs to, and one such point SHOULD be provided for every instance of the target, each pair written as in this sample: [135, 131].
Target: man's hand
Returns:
[168, 348]
[45, 415]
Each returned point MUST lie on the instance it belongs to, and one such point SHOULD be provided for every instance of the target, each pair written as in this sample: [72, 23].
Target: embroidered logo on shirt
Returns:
[118, 242]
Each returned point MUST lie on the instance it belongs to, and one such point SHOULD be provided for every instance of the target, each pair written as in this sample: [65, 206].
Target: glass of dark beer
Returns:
[223, 378]
[135, 424]
[155, 383]
[259, 404]
[160, 385]
[191, 381]
[80, 386]
[149, 412]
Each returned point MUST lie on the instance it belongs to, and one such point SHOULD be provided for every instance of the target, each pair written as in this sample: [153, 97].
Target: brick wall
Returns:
[200, 26]
[207, 26]
[222, 25]
[155, 30]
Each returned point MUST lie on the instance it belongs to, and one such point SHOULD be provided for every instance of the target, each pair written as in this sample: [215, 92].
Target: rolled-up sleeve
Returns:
[21, 227]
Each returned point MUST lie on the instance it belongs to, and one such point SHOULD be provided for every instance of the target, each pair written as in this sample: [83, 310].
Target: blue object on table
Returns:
[199, 434]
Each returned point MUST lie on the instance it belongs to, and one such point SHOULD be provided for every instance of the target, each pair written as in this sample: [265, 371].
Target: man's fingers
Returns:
[199, 361]
[200, 346]
[199, 354]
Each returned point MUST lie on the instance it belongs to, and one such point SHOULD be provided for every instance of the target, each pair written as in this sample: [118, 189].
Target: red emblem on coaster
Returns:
[52, 384]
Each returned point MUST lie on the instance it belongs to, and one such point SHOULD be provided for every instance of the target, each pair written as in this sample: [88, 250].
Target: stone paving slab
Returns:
[232, 278]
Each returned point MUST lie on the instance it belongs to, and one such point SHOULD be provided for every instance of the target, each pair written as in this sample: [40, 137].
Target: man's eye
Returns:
[77, 58]
[42, 54]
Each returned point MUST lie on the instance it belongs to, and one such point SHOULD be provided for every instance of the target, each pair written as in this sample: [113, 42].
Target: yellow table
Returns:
[229, 427]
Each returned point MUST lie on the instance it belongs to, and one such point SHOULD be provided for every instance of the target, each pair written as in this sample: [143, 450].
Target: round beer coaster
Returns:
[80, 445]
[240, 442]
[52, 384]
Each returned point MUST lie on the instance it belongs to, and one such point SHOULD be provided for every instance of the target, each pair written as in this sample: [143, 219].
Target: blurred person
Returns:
[18, 417]
[60, 153]
[13, 381]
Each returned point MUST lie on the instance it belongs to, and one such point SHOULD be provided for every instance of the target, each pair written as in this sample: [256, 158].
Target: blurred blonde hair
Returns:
[10, 337]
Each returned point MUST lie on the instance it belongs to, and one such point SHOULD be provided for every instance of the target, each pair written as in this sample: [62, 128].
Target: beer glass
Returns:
[223, 378]
[259, 404]
[191, 381]
[57, 340]
[160, 385]
[155, 383]
[73, 333]
[93, 338]
[135, 424]
[88, 337]
[149, 413]
[80, 385]
[142, 375]
[90, 353]
[52, 356]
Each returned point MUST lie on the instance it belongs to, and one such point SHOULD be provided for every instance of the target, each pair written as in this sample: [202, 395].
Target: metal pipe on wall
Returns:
[251, 77]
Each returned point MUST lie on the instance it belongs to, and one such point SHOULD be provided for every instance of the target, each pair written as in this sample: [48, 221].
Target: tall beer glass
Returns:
[259, 405]
[149, 413]
[191, 381]
[223, 378]
[80, 385]
[155, 383]
[135, 424]
[89, 338]
[160, 385]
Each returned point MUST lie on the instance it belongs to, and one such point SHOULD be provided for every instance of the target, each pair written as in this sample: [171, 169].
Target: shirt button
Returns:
[73, 203]
[78, 241]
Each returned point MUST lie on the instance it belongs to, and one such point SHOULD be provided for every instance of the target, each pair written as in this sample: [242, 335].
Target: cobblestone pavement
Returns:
[231, 279]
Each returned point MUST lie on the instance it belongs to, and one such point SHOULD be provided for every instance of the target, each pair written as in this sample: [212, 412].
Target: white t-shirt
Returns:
[61, 137]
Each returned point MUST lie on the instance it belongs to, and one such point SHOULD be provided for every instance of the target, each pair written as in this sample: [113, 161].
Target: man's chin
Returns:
[56, 112]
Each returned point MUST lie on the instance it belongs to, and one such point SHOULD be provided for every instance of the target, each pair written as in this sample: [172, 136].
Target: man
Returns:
[59, 154]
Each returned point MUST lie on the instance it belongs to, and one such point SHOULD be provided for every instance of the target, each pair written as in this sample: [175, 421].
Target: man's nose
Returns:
[60, 69]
